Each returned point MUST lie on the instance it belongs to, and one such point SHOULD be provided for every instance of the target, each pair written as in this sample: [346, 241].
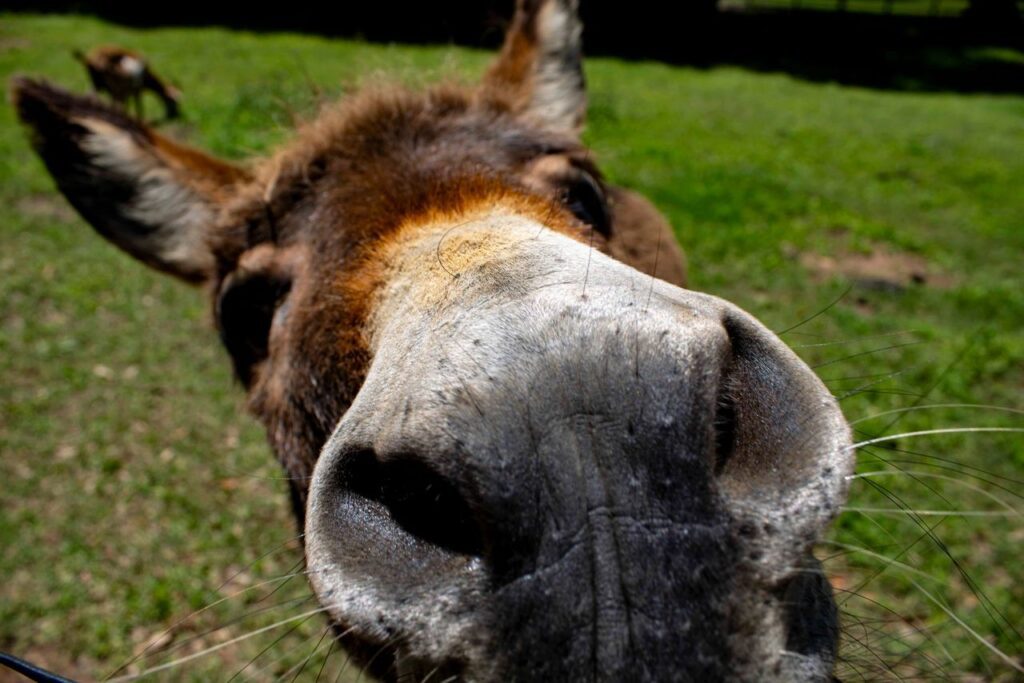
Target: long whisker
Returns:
[268, 608]
[430, 674]
[286, 652]
[369, 663]
[853, 339]
[958, 468]
[219, 646]
[984, 641]
[827, 308]
[991, 609]
[871, 651]
[231, 622]
[932, 475]
[880, 392]
[323, 665]
[305, 661]
[871, 375]
[863, 388]
[865, 353]
[926, 633]
[201, 610]
[928, 432]
[938, 380]
[938, 406]
[856, 668]
[928, 532]
[268, 648]
[931, 513]
[884, 559]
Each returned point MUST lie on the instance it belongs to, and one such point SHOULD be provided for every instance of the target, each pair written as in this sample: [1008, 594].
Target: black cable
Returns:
[31, 671]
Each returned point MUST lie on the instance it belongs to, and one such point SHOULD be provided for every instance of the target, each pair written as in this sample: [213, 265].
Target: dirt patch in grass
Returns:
[48, 206]
[8, 43]
[880, 269]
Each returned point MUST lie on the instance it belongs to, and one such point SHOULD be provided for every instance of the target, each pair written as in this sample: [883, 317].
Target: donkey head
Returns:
[516, 452]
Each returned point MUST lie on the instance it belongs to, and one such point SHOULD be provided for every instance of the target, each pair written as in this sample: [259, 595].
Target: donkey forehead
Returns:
[386, 153]
[504, 296]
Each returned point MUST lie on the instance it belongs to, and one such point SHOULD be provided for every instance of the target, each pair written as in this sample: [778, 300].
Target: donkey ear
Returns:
[153, 198]
[540, 66]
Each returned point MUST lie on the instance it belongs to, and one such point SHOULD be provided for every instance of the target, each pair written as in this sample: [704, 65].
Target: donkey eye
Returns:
[245, 315]
[585, 198]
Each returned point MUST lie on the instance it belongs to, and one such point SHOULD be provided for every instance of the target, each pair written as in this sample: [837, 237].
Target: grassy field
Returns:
[135, 491]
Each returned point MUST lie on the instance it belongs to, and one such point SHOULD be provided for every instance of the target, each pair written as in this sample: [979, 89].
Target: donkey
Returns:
[125, 75]
[518, 449]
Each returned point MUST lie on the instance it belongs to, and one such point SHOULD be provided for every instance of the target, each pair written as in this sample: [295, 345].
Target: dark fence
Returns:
[480, 22]
[930, 8]
[901, 44]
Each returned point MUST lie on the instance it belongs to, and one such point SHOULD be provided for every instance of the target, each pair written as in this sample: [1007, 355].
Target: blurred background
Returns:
[851, 172]
[916, 44]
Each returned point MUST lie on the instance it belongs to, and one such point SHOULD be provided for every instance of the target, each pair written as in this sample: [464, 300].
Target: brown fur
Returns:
[511, 75]
[389, 185]
[210, 176]
[296, 198]
[644, 239]
[351, 184]
[66, 130]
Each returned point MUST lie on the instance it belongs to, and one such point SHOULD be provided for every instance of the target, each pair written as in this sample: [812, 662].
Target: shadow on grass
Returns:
[869, 50]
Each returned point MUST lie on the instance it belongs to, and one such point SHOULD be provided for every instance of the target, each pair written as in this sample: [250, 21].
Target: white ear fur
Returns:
[539, 70]
[150, 196]
[559, 94]
[175, 216]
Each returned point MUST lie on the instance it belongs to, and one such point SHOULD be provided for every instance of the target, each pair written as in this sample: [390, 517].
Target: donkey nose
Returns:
[591, 469]
[496, 442]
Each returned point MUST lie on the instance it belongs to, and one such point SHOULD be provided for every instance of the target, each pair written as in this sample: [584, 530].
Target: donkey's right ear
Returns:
[539, 70]
[153, 198]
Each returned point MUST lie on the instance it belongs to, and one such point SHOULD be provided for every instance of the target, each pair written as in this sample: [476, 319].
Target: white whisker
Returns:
[952, 615]
[932, 475]
[932, 513]
[301, 666]
[210, 606]
[938, 406]
[929, 432]
[219, 646]
[853, 340]
[885, 560]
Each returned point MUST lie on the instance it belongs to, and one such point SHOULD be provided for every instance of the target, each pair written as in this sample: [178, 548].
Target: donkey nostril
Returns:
[420, 501]
[725, 429]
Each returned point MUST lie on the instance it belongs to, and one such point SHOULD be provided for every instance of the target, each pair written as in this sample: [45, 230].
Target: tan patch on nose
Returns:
[434, 258]
[478, 242]
[444, 260]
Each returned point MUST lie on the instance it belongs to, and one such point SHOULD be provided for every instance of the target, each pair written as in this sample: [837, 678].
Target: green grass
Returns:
[134, 486]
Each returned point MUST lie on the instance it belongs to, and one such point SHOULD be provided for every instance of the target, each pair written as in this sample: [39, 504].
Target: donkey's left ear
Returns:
[153, 198]
[540, 68]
